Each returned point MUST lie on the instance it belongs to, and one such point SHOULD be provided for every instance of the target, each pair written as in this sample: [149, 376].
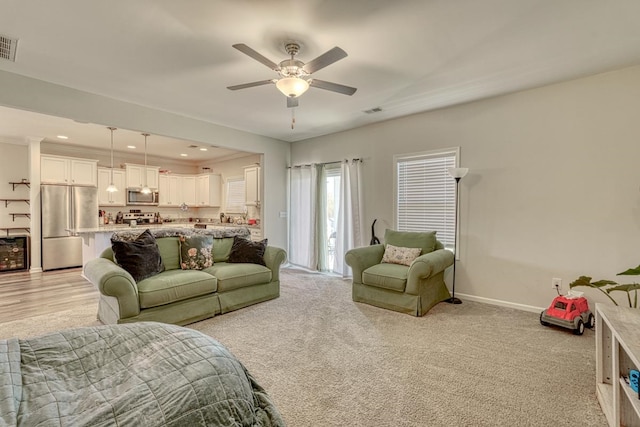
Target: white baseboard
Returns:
[501, 303]
[35, 270]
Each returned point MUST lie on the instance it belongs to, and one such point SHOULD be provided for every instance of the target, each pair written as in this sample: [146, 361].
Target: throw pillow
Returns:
[247, 251]
[195, 252]
[398, 255]
[426, 240]
[141, 257]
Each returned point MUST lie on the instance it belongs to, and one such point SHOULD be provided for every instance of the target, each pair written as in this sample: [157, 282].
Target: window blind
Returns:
[235, 202]
[426, 194]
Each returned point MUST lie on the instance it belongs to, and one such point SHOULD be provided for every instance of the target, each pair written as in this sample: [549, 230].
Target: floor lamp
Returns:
[457, 174]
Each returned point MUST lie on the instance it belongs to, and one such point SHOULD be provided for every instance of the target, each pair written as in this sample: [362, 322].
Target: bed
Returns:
[141, 374]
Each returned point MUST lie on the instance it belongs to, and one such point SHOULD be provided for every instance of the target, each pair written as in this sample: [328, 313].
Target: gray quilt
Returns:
[141, 374]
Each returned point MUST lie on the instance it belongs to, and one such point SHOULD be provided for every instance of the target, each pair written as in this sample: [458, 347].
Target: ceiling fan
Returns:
[294, 75]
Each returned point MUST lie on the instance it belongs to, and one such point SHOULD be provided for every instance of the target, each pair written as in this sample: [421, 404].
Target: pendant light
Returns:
[145, 189]
[112, 188]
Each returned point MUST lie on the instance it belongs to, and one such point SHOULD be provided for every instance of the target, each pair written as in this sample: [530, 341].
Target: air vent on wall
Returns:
[373, 110]
[8, 48]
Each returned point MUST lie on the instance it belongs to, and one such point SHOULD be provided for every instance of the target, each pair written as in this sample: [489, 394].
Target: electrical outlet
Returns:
[556, 283]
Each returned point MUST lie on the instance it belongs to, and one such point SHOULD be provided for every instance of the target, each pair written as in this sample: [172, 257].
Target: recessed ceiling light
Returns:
[131, 146]
[203, 149]
[183, 155]
[63, 137]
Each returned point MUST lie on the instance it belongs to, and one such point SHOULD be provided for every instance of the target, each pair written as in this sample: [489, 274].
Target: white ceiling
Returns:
[405, 56]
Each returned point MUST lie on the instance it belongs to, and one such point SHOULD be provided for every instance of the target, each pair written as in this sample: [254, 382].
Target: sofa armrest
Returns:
[359, 259]
[114, 281]
[273, 258]
[427, 265]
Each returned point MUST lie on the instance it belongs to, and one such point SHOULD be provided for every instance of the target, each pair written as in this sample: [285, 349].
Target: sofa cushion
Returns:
[222, 249]
[411, 239]
[141, 257]
[247, 251]
[175, 285]
[170, 252]
[195, 252]
[398, 255]
[387, 276]
[234, 276]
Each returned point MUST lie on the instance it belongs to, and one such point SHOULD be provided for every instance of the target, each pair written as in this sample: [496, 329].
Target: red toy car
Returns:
[569, 312]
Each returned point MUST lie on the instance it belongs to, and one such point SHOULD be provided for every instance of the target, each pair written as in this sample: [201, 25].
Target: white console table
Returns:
[617, 351]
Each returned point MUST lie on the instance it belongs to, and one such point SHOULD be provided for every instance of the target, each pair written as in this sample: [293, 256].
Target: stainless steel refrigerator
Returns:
[65, 208]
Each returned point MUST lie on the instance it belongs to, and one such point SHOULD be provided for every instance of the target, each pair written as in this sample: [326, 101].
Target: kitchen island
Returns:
[96, 240]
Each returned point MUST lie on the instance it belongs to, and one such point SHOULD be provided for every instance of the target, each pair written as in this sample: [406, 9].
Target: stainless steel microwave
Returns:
[137, 197]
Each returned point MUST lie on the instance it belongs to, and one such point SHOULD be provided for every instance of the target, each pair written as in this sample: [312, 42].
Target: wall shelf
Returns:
[10, 229]
[14, 215]
[7, 201]
[28, 184]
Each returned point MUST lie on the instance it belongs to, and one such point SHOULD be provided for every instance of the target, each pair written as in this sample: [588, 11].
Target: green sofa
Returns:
[410, 289]
[184, 296]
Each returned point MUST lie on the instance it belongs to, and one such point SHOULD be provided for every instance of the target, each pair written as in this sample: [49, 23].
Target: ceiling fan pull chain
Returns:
[293, 118]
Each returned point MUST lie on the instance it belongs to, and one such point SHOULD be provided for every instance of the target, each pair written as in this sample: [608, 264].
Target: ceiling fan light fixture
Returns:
[292, 86]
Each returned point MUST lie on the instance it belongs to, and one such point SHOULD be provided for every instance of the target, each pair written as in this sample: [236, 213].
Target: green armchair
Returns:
[412, 289]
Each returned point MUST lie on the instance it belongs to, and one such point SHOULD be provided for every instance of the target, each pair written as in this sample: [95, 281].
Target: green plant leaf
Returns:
[581, 281]
[625, 288]
[631, 272]
[603, 283]
[586, 281]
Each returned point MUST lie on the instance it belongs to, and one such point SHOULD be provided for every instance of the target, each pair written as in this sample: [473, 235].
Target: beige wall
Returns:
[553, 187]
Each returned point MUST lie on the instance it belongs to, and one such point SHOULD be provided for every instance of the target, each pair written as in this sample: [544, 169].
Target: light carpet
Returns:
[327, 361]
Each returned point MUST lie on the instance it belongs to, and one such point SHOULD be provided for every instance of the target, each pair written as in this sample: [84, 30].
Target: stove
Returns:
[138, 217]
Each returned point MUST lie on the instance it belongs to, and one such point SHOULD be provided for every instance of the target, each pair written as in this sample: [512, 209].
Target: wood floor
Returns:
[24, 295]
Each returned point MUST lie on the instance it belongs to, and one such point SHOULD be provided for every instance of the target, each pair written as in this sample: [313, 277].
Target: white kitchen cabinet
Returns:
[118, 198]
[174, 190]
[135, 176]
[168, 190]
[209, 189]
[252, 186]
[188, 190]
[68, 171]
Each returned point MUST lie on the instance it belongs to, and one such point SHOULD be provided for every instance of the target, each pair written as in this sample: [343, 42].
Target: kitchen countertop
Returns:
[117, 227]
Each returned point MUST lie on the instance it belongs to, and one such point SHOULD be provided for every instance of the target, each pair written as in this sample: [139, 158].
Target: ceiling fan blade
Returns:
[292, 102]
[252, 84]
[325, 59]
[255, 55]
[334, 87]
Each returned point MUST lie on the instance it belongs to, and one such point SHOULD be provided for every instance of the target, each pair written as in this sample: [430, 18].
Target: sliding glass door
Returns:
[325, 218]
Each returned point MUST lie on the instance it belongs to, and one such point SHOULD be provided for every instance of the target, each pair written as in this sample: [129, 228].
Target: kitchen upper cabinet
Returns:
[118, 198]
[252, 186]
[68, 171]
[192, 190]
[188, 188]
[168, 190]
[174, 190]
[135, 176]
[209, 189]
